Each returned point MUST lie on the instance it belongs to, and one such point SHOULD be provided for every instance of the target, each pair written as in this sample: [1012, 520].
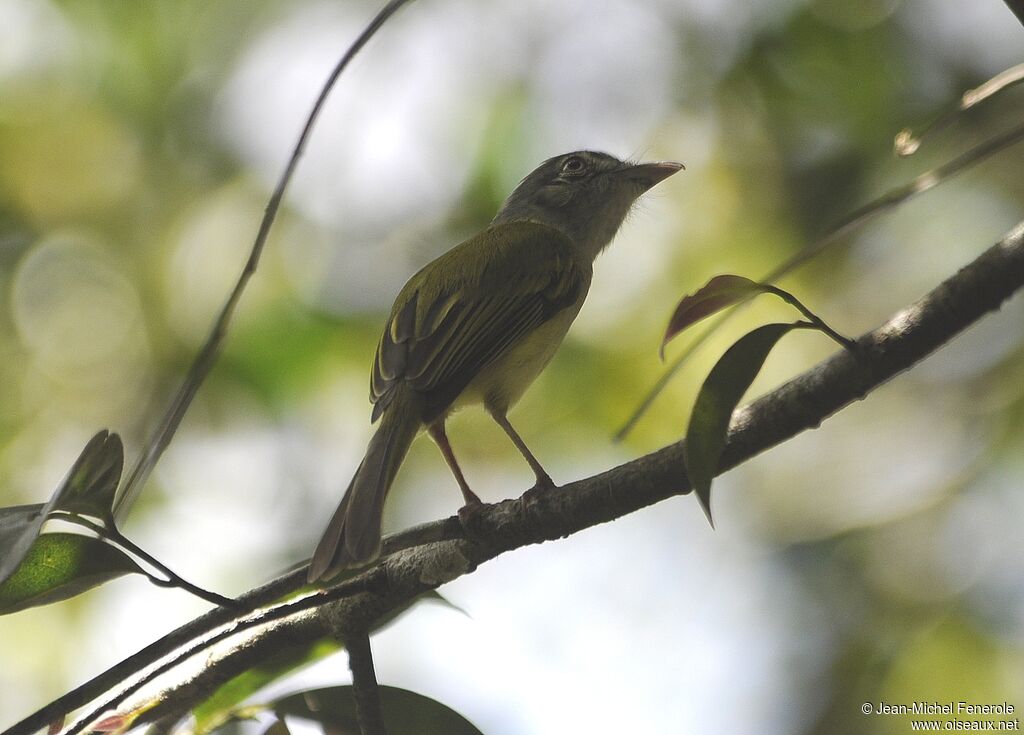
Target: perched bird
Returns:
[478, 324]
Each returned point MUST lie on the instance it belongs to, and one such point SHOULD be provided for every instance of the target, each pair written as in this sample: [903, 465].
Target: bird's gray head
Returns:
[584, 194]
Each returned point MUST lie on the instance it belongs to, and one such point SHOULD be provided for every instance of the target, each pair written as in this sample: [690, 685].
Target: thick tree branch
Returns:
[803, 403]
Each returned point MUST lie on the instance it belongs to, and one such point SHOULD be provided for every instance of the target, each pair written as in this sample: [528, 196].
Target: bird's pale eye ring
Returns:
[573, 166]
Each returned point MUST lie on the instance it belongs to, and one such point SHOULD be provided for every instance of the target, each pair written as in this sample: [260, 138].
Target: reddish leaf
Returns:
[116, 723]
[715, 295]
[59, 566]
[121, 722]
[111, 723]
[728, 290]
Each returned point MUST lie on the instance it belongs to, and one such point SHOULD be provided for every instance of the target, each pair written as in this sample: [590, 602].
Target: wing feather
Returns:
[444, 330]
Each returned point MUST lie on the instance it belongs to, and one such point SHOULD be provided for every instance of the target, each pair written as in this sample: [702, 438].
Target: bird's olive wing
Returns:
[439, 336]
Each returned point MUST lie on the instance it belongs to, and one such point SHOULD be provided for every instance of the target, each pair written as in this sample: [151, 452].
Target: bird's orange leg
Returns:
[544, 481]
[437, 433]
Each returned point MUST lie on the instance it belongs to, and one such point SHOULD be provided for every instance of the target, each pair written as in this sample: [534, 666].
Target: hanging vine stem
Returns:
[366, 692]
[211, 348]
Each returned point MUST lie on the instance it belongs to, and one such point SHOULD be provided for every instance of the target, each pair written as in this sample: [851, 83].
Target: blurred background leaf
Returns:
[139, 143]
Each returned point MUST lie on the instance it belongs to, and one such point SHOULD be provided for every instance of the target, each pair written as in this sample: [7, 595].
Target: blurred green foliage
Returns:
[138, 142]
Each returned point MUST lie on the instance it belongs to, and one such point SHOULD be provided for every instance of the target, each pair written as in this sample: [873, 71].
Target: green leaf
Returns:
[405, 712]
[59, 566]
[220, 706]
[92, 482]
[19, 526]
[88, 489]
[721, 392]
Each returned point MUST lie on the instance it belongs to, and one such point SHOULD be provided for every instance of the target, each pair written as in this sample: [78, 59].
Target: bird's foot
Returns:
[470, 497]
[543, 485]
[469, 517]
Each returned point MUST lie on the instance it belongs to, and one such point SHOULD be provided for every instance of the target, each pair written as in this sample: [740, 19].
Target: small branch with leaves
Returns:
[905, 144]
[41, 568]
[734, 373]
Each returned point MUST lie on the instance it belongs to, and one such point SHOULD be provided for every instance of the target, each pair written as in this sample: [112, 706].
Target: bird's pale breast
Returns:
[499, 385]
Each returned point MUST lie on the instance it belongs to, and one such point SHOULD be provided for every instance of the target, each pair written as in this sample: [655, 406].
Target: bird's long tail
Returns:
[352, 537]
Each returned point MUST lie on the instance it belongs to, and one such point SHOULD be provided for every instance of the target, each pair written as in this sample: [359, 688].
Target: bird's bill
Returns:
[649, 174]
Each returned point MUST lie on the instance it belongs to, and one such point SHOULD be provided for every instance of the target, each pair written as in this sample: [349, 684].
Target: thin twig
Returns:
[813, 319]
[365, 691]
[211, 347]
[907, 142]
[173, 579]
[371, 580]
[109, 532]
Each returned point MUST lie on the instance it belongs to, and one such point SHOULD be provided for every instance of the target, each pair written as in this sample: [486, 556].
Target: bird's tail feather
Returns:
[352, 537]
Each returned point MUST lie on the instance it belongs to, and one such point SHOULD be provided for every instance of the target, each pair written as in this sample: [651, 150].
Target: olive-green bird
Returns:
[478, 324]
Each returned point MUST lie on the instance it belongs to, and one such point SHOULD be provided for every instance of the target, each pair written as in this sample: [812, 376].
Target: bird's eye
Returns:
[573, 165]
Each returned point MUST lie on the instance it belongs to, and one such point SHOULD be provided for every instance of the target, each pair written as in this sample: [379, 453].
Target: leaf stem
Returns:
[109, 532]
[815, 321]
